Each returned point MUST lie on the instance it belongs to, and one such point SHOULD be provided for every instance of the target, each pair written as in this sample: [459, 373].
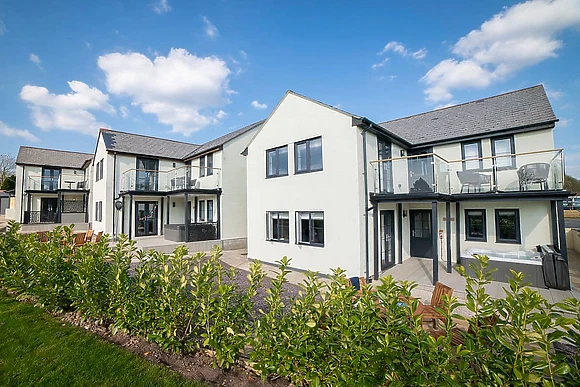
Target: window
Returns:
[471, 151]
[210, 210]
[504, 146]
[147, 174]
[277, 162]
[507, 226]
[278, 226]
[310, 228]
[50, 178]
[99, 170]
[308, 155]
[475, 229]
[206, 165]
[98, 211]
[201, 205]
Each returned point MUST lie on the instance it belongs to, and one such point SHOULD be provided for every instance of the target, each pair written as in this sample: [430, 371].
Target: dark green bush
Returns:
[327, 335]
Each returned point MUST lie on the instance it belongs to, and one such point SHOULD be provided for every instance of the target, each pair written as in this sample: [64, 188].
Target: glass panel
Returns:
[201, 205]
[202, 166]
[315, 154]
[284, 226]
[475, 224]
[210, 164]
[210, 210]
[317, 228]
[301, 157]
[385, 167]
[507, 225]
[503, 147]
[283, 161]
[271, 163]
[471, 151]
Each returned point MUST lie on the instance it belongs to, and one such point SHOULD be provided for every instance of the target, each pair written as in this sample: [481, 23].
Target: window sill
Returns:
[310, 171]
[278, 241]
[311, 244]
[275, 176]
[476, 239]
[508, 241]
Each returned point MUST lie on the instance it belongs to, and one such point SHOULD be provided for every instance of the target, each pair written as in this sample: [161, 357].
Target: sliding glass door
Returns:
[145, 218]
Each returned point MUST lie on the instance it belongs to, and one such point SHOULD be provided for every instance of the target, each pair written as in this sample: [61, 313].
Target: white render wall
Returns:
[102, 190]
[234, 173]
[335, 190]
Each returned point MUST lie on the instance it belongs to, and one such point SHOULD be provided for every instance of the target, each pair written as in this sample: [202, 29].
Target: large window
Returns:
[206, 165]
[201, 211]
[308, 155]
[99, 170]
[310, 228]
[205, 211]
[507, 226]
[278, 226]
[471, 155]
[50, 177]
[147, 174]
[504, 150]
[277, 162]
[99, 211]
[210, 210]
[475, 229]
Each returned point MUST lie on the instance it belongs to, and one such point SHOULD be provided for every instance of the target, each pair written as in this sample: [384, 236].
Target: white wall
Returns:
[234, 196]
[102, 189]
[333, 190]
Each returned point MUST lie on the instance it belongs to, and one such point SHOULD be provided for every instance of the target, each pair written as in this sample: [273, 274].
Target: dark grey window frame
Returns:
[207, 207]
[479, 151]
[468, 224]
[201, 210]
[99, 170]
[206, 165]
[310, 228]
[518, 239]
[308, 158]
[512, 150]
[277, 151]
[269, 218]
[99, 211]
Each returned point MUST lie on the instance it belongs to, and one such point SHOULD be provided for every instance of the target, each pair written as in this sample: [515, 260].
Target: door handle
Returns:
[413, 233]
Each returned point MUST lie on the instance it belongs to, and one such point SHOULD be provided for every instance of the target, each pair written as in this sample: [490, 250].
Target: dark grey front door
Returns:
[421, 233]
[145, 218]
[48, 208]
[387, 242]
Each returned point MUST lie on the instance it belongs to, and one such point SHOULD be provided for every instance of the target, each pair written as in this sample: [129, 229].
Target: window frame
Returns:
[308, 156]
[99, 170]
[201, 215]
[467, 225]
[512, 150]
[277, 151]
[310, 229]
[269, 226]
[207, 206]
[206, 165]
[479, 156]
[518, 239]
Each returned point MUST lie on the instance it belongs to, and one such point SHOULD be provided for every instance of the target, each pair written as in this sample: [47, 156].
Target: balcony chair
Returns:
[473, 179]
[534, 173]
[80, 239]
[99, 237]
[428, 311]
[42, 236]
[81, 185]
[357, 282]
[89, 236]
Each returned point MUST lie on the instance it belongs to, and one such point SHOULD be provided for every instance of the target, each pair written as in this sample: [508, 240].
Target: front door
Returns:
[387, 239]
[421, 233]
[145, 218]
[48, 207]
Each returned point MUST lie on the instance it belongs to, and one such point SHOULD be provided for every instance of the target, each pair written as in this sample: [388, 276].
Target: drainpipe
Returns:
[364, 137]
[114, 190]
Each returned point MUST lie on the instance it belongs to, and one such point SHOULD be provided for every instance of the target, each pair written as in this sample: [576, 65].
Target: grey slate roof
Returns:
[213, 144]
[51, 158]
[145, 145]
[502, 112]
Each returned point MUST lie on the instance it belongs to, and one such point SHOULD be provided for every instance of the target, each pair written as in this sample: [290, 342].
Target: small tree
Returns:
[7, 167]
[9, 183]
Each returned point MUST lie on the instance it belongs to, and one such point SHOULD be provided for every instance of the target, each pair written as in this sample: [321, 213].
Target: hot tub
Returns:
[527, 262]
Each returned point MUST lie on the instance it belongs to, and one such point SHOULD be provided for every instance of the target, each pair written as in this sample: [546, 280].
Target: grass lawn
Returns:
[37, 350]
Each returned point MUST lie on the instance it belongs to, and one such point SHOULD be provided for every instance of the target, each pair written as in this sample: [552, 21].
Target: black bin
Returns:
[554, 268]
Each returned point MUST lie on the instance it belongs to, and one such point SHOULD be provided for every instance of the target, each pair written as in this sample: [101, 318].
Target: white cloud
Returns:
[210, 30]
[67, 111]
[554, 94]
[446, 105]
[518, 37]
[566, 106]
[258, 105]
[563, 123]
[36, 60]
[243, 54]
[7, 131]
[124, 110]
[2, 27]
[161, 6]
[181, 89]
[401, 50]
[380, 64]
[391, 77]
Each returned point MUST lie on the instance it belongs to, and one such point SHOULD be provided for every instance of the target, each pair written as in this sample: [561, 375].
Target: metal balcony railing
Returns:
[64, 181]
[182, 178]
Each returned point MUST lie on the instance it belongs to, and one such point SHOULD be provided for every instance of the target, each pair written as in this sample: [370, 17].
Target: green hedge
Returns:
[324, 336]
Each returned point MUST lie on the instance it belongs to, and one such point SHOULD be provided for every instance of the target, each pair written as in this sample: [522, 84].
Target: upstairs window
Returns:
[308, 155]
[504, 150]
[278, 226]
[99, 170]
[471, 154]
[206, 165]
[277, 162]
[507, 226]
[475, 229]
[310, 228]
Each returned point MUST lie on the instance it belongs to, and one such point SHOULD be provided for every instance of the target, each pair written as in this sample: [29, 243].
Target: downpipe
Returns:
[365, 174]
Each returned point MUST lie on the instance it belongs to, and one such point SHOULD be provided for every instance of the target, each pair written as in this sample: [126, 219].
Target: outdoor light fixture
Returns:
[404, 213]
[119, 205]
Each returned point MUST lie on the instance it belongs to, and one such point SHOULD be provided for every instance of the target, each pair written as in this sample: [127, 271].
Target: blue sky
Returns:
[193, 71]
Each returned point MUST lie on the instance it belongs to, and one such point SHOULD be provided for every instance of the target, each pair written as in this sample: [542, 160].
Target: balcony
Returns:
[431, 173]
[182, 178]
[64, 181]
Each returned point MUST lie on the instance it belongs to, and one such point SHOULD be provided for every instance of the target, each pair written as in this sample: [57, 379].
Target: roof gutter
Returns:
[372, 127]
